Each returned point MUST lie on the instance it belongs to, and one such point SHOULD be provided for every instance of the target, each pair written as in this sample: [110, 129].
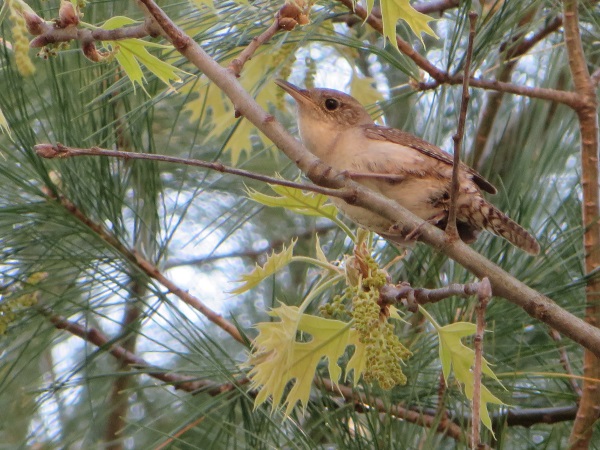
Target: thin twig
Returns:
[460, 132]
[519, 45]
[237, 64]
[409, 297]
[50, 151]
[564, 360]
[555, 95]
[364, 403]
[483, 296]
[376, 23]
[53, 35]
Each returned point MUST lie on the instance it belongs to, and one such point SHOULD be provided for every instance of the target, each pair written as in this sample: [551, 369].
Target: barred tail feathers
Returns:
[487, 216]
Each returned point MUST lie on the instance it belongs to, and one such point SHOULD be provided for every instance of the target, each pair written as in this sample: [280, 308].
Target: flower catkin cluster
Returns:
[21, 43]
[384, 351]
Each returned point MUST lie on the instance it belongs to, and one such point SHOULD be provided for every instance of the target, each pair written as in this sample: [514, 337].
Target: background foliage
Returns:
[199, 227]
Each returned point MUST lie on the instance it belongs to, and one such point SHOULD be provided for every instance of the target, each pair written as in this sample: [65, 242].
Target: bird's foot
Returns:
[414, 234]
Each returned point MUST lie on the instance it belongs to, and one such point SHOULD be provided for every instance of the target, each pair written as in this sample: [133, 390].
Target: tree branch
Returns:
[119, 397]
[363, 403]
[410, 297]
[178, 381]
[442, 77]
[151, 270]
[438, 6]
[587, 113]
[237, 64]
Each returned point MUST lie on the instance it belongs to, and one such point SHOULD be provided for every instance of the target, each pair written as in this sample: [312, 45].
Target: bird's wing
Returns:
[408, 140]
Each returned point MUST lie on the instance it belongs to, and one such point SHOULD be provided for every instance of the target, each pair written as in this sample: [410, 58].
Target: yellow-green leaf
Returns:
[132, 53]
[272, 265]
[279, 358]
[394, 10]
[363, 89]
[457, 356]
[307, 203]
[253, 77]
[358, 362]
[320, 254]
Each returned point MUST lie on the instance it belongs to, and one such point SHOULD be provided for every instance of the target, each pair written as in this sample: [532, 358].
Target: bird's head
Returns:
[327, 106]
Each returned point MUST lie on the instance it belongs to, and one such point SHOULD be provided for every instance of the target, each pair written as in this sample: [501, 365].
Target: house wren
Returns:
[337, 129]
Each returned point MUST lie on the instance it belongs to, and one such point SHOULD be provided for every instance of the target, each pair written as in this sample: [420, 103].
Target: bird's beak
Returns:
[300, 95]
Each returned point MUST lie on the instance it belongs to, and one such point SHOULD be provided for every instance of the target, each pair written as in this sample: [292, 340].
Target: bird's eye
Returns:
[332, 104]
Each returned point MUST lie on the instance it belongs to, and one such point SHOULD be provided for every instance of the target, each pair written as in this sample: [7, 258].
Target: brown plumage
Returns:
[407, 169]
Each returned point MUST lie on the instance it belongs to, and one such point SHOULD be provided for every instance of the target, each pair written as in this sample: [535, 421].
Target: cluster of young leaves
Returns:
[132, 53]
[292, 348]
[254, 76]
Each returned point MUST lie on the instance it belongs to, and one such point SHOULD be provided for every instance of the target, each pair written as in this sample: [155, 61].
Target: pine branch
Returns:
[364, 403]
[249, 253]
[511, 52]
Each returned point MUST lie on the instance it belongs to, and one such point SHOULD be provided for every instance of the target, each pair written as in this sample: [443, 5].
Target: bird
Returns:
[416, 174]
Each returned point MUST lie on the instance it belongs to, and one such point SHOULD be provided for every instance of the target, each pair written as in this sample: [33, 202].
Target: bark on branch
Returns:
[587, 113]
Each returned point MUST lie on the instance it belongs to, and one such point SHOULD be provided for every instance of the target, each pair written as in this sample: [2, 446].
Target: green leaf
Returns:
[307, 203]
[320, 254]
[279, 358]
[363, 89]
[394, 10]
[132, 53]
[455, 355]
[358, 361]
[272, 265]
[253, 76]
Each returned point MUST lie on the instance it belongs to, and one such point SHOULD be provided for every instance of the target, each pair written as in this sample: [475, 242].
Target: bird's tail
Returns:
[500, 224]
